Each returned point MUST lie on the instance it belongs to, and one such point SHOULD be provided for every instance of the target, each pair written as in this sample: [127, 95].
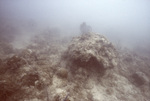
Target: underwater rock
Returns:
[92, 50]
[62, 72]
[84, 28]
[15, 62]
[29, 54]
[30, 79]
[61, 97]
[139, 79]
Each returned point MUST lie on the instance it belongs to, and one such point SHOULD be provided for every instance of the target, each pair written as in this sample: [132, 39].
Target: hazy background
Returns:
[126, 22]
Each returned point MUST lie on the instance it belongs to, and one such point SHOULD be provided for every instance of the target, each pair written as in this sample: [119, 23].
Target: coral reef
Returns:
[89, 68]
[92, 50]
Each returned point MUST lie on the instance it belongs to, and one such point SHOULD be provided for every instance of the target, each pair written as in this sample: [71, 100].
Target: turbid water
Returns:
[74, 51]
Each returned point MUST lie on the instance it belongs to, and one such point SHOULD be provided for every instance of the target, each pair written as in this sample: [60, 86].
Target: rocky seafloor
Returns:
[87, 68]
